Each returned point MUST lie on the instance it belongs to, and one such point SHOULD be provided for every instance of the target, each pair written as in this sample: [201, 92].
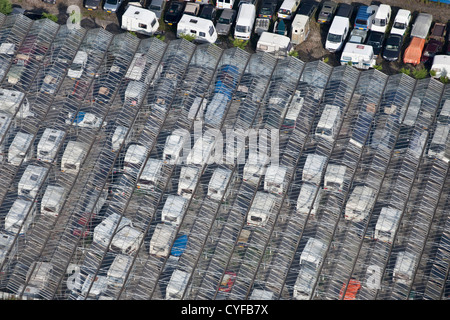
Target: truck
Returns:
[20, 216]
[314, 168]
[404, 267]
[31, 181]
[360, 203]
[260, 210]
[334, 178]
[21, 150]
[309, 199]
[140, 20]
[73, 157]
[118, 271]
[274, 181]
[49, 144]
[15, 103]
[218, 188]
[360, 56]
[150, 173]
[327, 128]
[177, 285]
[189, 176]
[276, 44]
[127, 240]
[162, 238]
[174, 209]
[53, 200]
[387, 224]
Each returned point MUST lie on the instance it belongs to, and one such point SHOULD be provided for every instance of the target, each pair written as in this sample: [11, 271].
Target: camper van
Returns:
[255, 167]
[20, 216]
[439, 145]
[127, 240]
[309, 199]
[104, 231]
[21, 149]
[53, 200]
[134, 93]
[360, 203]
[38, 276]
[314, 168]
[202, 29]
[173, 148]
[5, 123]
[134, 159]
[360, 56]
[225, 4]
[334, 177]
[387, 224]
[177, 285]
[12, 101]
[327, 128]
[174, 209]
[245, 20]
[118, 137]
[337, 34]
[381, 18]
[275, 179]
[49, 144]
[73, 157]
[140, 20]
[202, 151]
[150, 174]
[404, 268]
[218, 188]
[118, 271]
[187, 183]
[288, 8]
[31, 181]
[261, 208]
[300, 28]
[162, 239]
[276, 44]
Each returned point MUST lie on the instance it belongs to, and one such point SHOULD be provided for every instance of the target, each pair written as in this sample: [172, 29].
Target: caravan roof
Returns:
[388, 219]
[174, 207]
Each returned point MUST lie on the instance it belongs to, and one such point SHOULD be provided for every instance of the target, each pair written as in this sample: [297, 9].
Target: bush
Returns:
[50, 16]
[444, 79]
[433, 73]
[378, 67]
[405, 71]
[5, 6]
[240, 43]
[420, 73]
[187, 37]
[294, 54]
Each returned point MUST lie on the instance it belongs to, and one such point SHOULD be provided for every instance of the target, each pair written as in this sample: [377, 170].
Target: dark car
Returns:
[376, 40]
[327, 12]
[174, 13]
[268, 9]
[307, 8]
[393, 47]
[225, 22]
[431, 49]
[92, 4]
[345, 10]
[208, 12]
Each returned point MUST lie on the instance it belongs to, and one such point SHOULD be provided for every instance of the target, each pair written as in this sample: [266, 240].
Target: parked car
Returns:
[376, 40]
[157, 6]
[358, 36]
[436, 42]
[414, 51]
[327, 12]
[392, 48]
[382, 18]
[208, 12]
[112, 5]
[226, 20]
[345, 10]
[401, 22]
[268, 9]
[308, 8]
[174, 13]
[92, 4]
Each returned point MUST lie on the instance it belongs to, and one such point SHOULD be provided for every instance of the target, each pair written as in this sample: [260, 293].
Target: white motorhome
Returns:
[5, 123]
[360, 203]
[20, 216]
[49, 144]
[293, 111]
[314, 168]
[104, 231]
[202, 29]
[52, 200]
[387, 224]
[217, 187]
[309, 199]
[202, 151]
[150, 174]
[79, 63]
[381, 19]
[360, 56]
[300, 28]
[441, 66]
[313, 254]
[174, 209]
[140, 20]
[404, 267]
[189, 177]
[31, 181]
[260, 210]
[12, 101]
[134, 93]
[73, 157]
[162, 239]
[177, 285]
[274, 181]
[127, 240]
[334, 177]
[118, 271]
[224, 4]
[327, 128]
[439, 145]
[20, 149]
[288, 8]
[276, 44]
[38, 276]
[173, 148]
[337, 33]
[255, 167]
[134, 158]
[244, 21]
[118, 137]
[304, 284]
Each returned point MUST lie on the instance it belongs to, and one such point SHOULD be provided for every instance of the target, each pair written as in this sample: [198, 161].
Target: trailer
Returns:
[5, 123]
[255, 167]
[134, 93]
[262, 25]
[441, 66]
[404, 267]
[140, 20]
[327, 128]
[174, 209]
[119, 137]
[20, 216]
[38, 275]
[439, 145]
[21, 150]
[300, 28]
[104, 231]
[217, 187]
[278, 45]
[274, 180]
[202, 151]
[360, 56]
[309, 199]
[134, 159]
[387, 224]
[15, 103]
[261, 208]
[162, 239]
[173, 148]
[118, 271]
[189, 176]
[73, 157]
[127, 240]
[150, 175]
[31, 181]
[202, 30]
[334, 177]
[360, 203]
[177, 285]
[49, 144]
[314, 168]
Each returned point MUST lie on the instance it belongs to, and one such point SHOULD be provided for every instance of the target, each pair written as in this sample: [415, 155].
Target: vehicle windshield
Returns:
[361, 21]
[112, 1]
[391, 47]
[399, 25]
[266, 11]
[334, 37]
[224, 20]
[76, 66]
[156, 8]
[241, 28]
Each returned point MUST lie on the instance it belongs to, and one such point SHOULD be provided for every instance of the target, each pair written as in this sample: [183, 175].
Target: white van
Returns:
[174, 209]
[134, 158]
[261, 208]
[306, 203]
[118, 137]
[49, 144]
[177, 285]
[140, 20]
[288, 8]
[439, 145]
[358, 55]
[327, 128]
[314, 168]
[118, 271]
[162, 239]
[20, 149]
[20, 216]
[244, 22]
[217, 187]
[274, 181]
[127, 240]
[189, 177]
[31, 181]
[277, 44]
[202, 29]
[337, 33]
[150, 174]
[381, 19]
[73, 157]
[404, 267]
[360, 203]
[334, 177]
[134, 93]
[53, 200]
[387, 224]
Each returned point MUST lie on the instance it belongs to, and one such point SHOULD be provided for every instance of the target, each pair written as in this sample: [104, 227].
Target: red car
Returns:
[227, 281]
[352, 289]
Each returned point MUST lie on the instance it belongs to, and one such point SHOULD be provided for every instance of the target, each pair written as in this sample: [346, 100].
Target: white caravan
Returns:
[20, 216]
[118, 271]
[177, 285]
[360, 203]
[259, 294]
[140, 20]
[134, 158]
[104, 231]
[5, 123]
[217, 187]
[49, 144]
[162, 239]
[173, 148]
[99, 286]
[255, 167]
[12, 101]
[197, 108]
[276, 44]
[127, 240]
[313, 254]
[358, 55]
[21, 149]
[31, 181]
[274, 181]
[202, 151]
[261, 208]
[137, 67]
[52, 200]
[189, 177]
[203, 30]
[327, 128]
[85, 120]
[150, 174]
[314, 168]
[404, 267]
[174, 209]
[309, 199]
[73, 157]
[387, 224]
[118, 137]
[135, 93]
[334, 177]
[79, 63]
[6, 243]
[441, 66]
[304, 284]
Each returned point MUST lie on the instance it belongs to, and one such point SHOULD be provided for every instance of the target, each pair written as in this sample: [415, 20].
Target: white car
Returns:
[401, 22]
[78, 65]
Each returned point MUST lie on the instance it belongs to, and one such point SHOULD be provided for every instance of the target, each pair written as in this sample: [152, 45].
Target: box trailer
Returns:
[189, 176]
[53, 200]
[387, 224]
[218, 188]
[31, 181]
[360, 56]
[49, 144]
[177, 285]
[174, 209]
[162, 239]
[360, 203]
[20, 216]
[140, 20]
[309, 199]
[73, 157]
[275, 179]
[127, 240]
[150, 174]
[314, 168]
[21, 149]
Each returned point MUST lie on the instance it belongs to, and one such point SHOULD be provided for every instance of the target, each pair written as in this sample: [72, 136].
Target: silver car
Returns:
[157, 6]
[112, 5]
[225, 22]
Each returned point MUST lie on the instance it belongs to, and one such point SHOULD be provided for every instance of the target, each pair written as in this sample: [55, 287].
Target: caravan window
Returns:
[153, 23]
[202, 34]
[34, 177]
[193, 31]
[263, 47]
[380, 22]
[211, 30]
[52, 138]
[143, 26]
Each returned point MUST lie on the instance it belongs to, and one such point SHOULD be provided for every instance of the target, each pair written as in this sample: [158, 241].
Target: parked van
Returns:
[337, 34]
[288, 8]
[20, 216]
[309, 199]
[140, 20]
[360, 203]
[327, 128]
[157, 6]
[53, 200]
[441, 66]
[314, 168]
[189, 176]
[413, 52]
[439, 145]
[177, 285]
[150, 174]
[261, 208]
[134, 159]
[118, 137]
[173, 148]
[360, 56]
[73, 157]
[404, 268]
[119, 270]
[401, 22]
[381, 18]
[12, 101]
[21, 149]
[225, 4]
[5, 124]
[218, 188]
[274, 181]
[49, 144]
[245, 20]
[276, 44]
[255, 167]
[162, 239]
[387, 224]
[135, 92]
[174, 209]
[104, 231]
[31, 181]
[202, 29]
[334, 177]
[127, 240]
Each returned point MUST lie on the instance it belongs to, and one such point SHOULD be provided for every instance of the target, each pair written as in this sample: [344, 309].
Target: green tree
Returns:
[49, 16]
[5, 6]
[420, 73]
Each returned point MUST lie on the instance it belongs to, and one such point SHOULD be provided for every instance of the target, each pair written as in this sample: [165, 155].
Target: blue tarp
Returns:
[179, 245]
[442, 1]
[79, 117]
